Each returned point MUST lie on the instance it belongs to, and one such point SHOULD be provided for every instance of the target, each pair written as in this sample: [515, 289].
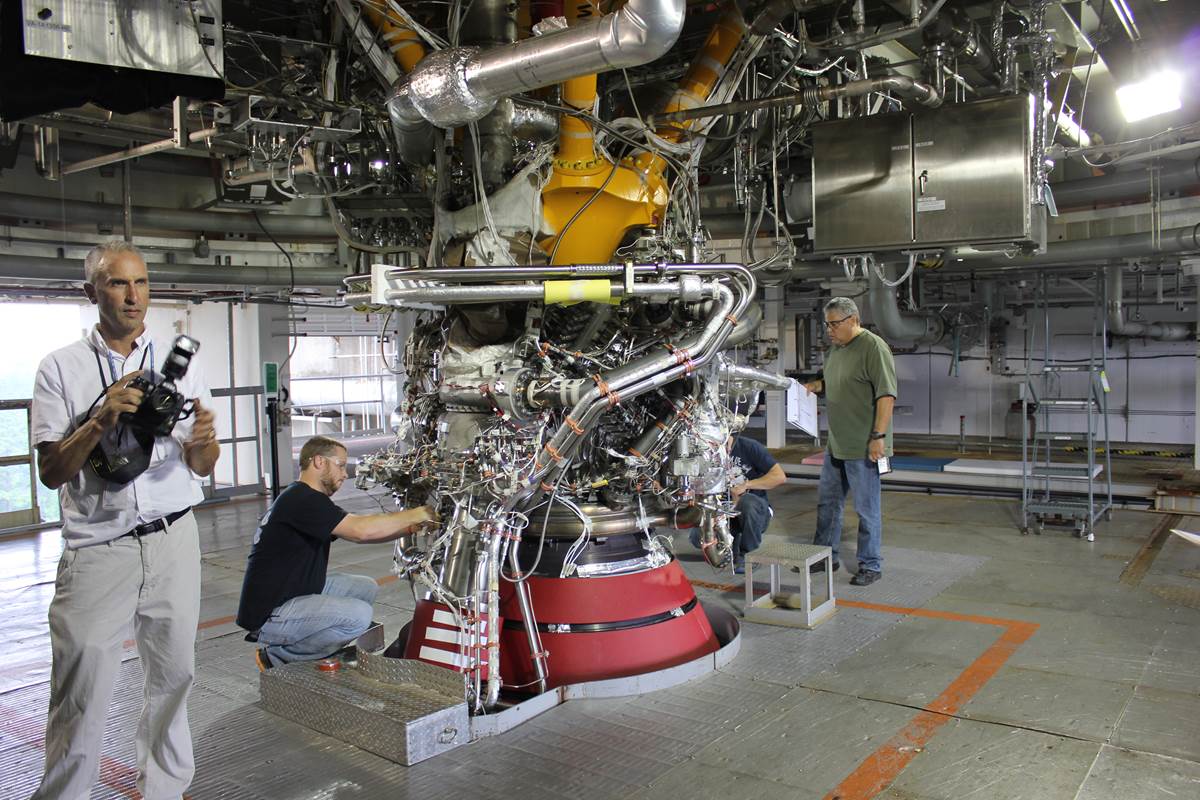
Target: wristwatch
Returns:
[877, 435]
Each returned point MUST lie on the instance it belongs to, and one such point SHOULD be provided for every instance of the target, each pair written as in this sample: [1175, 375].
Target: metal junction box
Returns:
[176, 36]
[955, 175]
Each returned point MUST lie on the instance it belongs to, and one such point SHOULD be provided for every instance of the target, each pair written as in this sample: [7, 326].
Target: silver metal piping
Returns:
[1092, 252]
[915, 23]
[747, 326]
[83, 212]
[488, 293]
[459, 85]
[19, 267]
[736, 373]
[895, 325]
[1161, 331]
[654, 372]
[1130, 184]
[537, 653]
[489, 24]
[902, 85]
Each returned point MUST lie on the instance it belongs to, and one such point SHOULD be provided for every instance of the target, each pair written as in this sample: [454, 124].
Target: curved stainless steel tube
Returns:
[736, 372]
[460, 85]
[902, 85]
[654, 371]
[536, 652]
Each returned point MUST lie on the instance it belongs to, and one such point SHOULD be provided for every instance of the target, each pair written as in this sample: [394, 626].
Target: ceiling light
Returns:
[1155, 95]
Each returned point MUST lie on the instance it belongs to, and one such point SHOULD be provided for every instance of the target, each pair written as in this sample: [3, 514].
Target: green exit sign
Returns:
[270, 375]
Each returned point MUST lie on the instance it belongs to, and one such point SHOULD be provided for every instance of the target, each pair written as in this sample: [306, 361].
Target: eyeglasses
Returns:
[832, 324]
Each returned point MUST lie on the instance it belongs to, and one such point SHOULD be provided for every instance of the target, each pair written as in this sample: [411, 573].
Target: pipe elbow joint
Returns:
[923, 93]
[439, 89]
[641, 31]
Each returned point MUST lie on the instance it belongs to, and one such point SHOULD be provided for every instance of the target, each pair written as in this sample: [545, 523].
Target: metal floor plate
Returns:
[701, 738]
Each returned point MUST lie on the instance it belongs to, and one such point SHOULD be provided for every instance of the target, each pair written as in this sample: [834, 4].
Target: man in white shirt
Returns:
[131, 552]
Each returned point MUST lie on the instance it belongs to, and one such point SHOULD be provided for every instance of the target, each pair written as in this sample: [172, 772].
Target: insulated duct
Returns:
[491, 24]
[1095, 251]
[1089, 252]
[1162, 331]
[459, 85]
[24, 268]
[1126, 185]
[286, 227]
[895, 325]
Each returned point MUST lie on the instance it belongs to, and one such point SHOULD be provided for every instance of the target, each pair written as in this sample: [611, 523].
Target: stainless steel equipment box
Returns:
[403, 710]
[177, 36]
[955, 175]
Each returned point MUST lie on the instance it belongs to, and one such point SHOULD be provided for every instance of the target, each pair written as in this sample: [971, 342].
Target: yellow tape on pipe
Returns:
[568, 293]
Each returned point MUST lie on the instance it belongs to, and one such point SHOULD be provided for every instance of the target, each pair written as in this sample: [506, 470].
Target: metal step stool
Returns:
[779, 555]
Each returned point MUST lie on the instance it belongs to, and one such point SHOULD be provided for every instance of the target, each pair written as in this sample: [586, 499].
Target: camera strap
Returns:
[112, 365]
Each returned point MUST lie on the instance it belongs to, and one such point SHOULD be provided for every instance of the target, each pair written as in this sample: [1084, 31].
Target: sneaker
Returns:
[694, 538]
[262, 659]
[739, 565]
[865, 577]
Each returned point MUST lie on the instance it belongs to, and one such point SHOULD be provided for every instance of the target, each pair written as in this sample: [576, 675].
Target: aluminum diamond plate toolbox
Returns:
[405, 711]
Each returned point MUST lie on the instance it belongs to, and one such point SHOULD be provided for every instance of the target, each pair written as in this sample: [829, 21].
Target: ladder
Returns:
[1078, 492]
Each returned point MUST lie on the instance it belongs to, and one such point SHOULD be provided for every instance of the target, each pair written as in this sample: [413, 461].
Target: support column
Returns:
[273, 344]
[773, 328]
[1195, 424]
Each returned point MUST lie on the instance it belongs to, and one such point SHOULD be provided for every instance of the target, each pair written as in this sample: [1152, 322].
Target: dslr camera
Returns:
[162, 405]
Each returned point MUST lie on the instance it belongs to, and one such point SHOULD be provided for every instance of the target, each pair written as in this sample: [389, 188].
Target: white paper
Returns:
[1194, 538]
[802, 408]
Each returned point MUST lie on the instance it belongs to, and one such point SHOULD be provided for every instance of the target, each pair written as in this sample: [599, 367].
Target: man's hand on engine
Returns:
[422, 519]
[739, 490]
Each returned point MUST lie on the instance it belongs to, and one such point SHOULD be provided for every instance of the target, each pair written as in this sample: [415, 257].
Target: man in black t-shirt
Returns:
[762, 473]
[289, 603]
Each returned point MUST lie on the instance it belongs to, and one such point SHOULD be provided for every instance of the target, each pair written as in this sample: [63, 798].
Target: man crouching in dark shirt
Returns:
[290, 605]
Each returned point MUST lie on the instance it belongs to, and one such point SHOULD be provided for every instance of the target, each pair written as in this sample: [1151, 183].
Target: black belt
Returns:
[159, 524]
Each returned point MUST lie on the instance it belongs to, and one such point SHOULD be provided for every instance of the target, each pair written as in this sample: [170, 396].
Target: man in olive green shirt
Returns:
[859, 384]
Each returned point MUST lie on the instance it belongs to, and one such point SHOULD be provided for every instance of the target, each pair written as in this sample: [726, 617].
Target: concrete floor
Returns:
[984, 665]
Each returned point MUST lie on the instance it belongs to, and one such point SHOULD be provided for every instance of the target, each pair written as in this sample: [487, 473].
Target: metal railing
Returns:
[22, 517]
[374, 411]
[236, 487]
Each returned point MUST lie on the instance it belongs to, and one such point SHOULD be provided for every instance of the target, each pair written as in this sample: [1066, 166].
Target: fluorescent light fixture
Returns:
[1155, 95]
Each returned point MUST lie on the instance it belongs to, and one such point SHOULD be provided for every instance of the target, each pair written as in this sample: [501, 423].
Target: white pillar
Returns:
[273, 343]
[773, 328]
[1196, 416]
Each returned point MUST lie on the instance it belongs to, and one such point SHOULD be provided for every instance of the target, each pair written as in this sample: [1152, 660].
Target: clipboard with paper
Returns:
[802, 408]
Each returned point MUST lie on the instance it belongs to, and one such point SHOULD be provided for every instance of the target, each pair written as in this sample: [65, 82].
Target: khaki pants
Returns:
[152, 582]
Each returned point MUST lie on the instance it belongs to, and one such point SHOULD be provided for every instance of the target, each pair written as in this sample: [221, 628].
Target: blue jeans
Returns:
[860, 476]
[754, 515]
[317, 625]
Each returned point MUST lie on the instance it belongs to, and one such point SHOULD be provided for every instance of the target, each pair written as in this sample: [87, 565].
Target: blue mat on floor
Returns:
[920, 463]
